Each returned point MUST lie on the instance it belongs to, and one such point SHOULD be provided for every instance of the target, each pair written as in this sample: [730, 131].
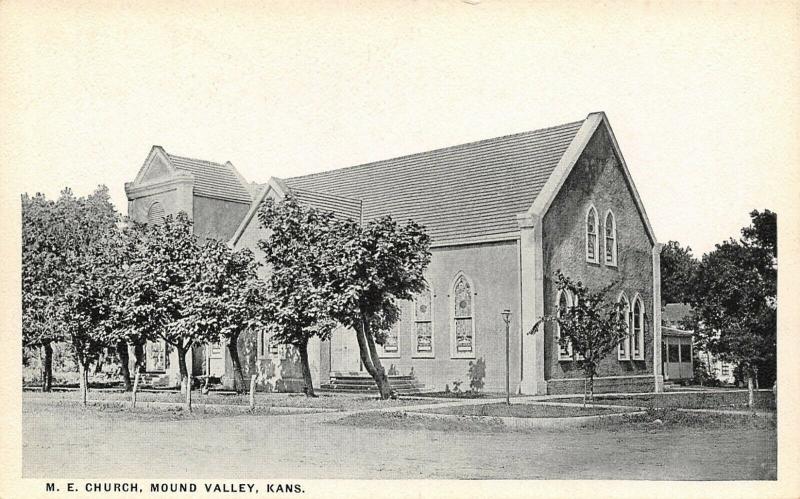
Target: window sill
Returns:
[392, 355]
[611, 265]
[423, 355]
[462, 356]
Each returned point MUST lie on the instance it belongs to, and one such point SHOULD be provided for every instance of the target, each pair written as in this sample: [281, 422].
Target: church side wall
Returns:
[493, 270]
[597, 178]
[217, 218]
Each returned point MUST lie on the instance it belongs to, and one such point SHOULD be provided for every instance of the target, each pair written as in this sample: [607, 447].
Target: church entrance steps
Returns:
[361, 383]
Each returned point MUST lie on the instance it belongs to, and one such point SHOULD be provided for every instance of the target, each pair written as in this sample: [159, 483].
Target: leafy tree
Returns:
[40, 284]
[75, 246]
[593, 326]
[231, 299]
[735, 306]
[296, 309]
[370, 267]
[166, 280]
[678, 268]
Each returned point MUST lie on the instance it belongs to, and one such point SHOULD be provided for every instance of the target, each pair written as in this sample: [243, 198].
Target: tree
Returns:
[165, 280]
[40, 284]
[370, 267]
[735, 307]
[678, 268]
[296, 309]
[592, 325]
[231, 299]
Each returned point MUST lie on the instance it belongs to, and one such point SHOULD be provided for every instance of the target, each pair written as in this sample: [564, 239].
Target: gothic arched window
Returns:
[611, 239]
[423, 324]
[591, 235]
[624, 350]
[463, 327]
[638, 328]
[563, 302]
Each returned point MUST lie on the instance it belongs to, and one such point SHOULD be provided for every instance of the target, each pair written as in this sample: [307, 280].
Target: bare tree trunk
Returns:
[124, 360]
[371, 360]
[750, 390]
[585, 390]
[591, 387]
[83, 378]
[238, 375]
[308, 389]
[46, 355]
[138, 356]
[182, 367]
[380, 374]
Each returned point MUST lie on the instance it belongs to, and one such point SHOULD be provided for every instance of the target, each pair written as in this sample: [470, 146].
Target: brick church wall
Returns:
[597, 178]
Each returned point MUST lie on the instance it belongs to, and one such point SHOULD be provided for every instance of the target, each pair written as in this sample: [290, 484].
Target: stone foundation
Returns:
[615, 384]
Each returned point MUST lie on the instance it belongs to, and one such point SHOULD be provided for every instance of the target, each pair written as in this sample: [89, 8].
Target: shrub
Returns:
[477, 371]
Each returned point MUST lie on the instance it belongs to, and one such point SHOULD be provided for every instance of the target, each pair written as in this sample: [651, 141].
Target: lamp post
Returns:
[507, 319]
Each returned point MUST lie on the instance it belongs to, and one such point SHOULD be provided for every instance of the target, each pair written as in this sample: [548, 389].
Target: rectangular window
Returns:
[424, 337]
[686, 353]
[726, 369]
[674, 355]
[391, 345]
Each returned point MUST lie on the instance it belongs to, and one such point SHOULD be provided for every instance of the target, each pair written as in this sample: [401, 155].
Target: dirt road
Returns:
[71, 443]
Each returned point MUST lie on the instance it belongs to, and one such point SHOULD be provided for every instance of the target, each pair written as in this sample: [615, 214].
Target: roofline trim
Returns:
[493, 238]
[568, 160]
[154, 151]
[273, 184]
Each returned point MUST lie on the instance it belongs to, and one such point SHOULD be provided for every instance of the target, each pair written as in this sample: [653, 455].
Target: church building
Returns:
[503, 215]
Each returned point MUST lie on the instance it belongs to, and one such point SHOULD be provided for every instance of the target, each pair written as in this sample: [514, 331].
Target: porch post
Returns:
[531, 269]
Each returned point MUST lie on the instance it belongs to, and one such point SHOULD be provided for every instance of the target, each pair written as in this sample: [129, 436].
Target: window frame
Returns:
[637, 335]
[454, 353]
[382, 353]
[592, 211]
[612, 237]
[150, 215]
[626, 342]
[416, 353]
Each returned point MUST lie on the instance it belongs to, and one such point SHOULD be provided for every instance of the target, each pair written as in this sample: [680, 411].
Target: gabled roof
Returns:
[674, 313]
[342, 207]
[459, 192]
[213, 180]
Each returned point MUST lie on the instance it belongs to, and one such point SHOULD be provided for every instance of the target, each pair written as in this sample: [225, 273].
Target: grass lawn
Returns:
[653, 421]
[521, 411]
[731, 400]
[341, 402]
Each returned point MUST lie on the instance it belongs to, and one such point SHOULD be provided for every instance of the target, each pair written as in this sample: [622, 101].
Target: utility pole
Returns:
[507, 319]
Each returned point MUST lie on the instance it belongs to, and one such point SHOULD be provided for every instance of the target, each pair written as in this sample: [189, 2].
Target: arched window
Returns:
[563, 302]
[423, 324]
[155, 215]
[638, 328]
[611, 239]
[591, 236]
[624, 349]
[463, 326]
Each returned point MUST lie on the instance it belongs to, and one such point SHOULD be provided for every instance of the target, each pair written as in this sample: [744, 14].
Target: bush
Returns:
[477, 371]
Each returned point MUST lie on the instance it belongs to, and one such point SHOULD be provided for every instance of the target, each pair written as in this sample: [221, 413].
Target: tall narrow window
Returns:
[423, 324]
[563, 302]
[463, 344]
[591, 236]
[611, 239]
[391, 345]
[638, 329]
[624, 350]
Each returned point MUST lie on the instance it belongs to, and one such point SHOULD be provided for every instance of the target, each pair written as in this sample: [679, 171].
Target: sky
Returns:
[703, 97]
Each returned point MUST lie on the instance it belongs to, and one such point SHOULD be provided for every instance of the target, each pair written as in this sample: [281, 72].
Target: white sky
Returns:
[703, 98]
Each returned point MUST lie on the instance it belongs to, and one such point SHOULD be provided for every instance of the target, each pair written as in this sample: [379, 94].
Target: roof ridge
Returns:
[438, 150]
[327, 194]
[186, 158]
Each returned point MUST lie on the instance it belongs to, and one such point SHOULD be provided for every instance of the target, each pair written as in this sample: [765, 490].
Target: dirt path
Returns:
[82, 446]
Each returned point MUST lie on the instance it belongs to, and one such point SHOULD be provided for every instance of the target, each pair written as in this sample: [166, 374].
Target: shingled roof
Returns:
[464, 191]
[213, 179]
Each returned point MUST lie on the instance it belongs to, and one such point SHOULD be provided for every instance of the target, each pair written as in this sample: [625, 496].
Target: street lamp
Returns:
[507, 319]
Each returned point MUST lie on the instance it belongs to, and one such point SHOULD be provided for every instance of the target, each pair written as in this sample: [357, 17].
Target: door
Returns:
[156, 356]
[216, 360]
[345, 357]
